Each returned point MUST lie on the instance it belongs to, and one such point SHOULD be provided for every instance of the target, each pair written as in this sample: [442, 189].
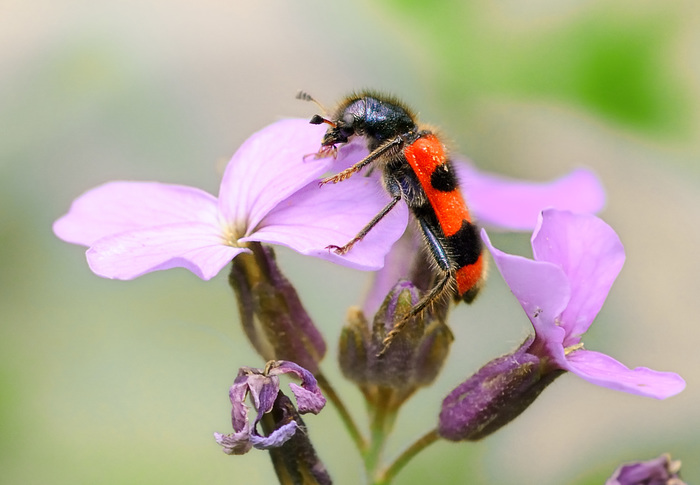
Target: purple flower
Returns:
[263, 387]
[503, 203]
[659, 471]
[576, 259]
[269, 193]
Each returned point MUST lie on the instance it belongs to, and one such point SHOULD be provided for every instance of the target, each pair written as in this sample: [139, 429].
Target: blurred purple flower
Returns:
[576, 260]
[659, 471]
[500, 202]
[263, 387]
[269, 193]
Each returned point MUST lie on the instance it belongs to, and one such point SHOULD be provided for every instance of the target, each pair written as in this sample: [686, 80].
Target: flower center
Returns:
[231, 233]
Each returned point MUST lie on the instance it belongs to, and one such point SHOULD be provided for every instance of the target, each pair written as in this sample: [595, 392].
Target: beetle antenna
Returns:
[304, 96]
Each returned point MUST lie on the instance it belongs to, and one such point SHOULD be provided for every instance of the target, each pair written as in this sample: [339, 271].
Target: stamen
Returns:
[573, 348]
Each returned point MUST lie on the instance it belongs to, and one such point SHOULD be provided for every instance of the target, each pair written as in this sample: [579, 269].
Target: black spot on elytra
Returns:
[465, 244]
[443, 178]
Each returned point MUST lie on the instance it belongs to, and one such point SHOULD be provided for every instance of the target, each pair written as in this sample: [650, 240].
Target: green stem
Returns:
[329, 392]
[382, 422]
[387, 475]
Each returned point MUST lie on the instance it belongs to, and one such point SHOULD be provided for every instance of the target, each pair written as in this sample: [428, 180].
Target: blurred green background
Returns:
[125, 382]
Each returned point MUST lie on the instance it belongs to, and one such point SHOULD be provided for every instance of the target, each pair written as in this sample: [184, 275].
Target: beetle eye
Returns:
[347, 131]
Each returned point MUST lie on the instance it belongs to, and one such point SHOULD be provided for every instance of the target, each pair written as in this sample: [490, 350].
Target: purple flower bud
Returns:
[414, 358]
[659, 471]
[263, 387]
[494, 396]
[272, 315]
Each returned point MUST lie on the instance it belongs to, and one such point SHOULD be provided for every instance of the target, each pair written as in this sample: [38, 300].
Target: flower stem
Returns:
[387, 475]
[383, 417]
[331, 395]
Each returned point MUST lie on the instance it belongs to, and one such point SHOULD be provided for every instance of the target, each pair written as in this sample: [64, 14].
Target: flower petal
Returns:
[511, 204]
[542, 290]
[239, 411]
[351, 153]
[605, 371]
[117, 207]
[195, 246]
[308, 401]
[591, 255]
[269, 167]
[235, 443]
[265, 395]
[315, 218]
[276, 439]
[308, 395]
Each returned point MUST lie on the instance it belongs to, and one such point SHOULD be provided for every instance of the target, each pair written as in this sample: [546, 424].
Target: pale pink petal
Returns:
[591, 255]
[195, 246]
[603, 370]
[542, 290]
[511, 204]
[269, 167]
[349, 154]
[316, 217]
[124, 206]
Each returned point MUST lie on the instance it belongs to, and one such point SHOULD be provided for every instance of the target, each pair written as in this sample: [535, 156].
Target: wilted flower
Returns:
[263, 387]
[296, 461]
[659, 471]
[576, 260]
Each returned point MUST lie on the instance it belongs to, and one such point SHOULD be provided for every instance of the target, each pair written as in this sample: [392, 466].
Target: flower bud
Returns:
[272, 315]
[414, 358]
[494, 396]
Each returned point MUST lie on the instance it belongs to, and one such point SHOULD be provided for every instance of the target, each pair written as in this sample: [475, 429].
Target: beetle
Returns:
[416, 169]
